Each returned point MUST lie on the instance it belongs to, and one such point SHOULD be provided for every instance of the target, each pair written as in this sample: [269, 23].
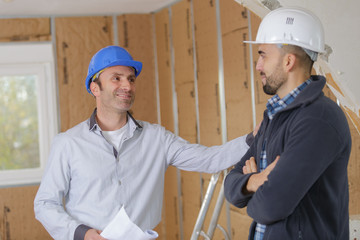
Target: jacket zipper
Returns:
[299, 227]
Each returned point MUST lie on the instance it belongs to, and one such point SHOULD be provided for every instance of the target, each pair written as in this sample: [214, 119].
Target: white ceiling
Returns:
[79, 7]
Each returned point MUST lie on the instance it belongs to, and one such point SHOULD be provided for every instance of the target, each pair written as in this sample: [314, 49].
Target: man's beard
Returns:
[274, 81]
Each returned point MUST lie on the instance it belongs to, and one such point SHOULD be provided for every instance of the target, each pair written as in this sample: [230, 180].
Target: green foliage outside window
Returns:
[19, 138]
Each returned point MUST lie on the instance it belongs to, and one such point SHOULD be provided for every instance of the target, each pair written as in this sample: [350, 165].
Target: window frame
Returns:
[37, 59]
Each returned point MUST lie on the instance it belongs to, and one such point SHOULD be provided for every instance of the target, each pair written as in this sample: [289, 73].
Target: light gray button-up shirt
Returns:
[95, 180]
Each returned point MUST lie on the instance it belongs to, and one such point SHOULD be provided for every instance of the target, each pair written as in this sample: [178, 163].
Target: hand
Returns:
[93, 234]
[256, 129]
[250, 166]
[258, 179]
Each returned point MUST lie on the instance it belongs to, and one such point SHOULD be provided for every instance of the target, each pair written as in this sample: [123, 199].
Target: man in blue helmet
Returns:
[112, 160]
[293, 180]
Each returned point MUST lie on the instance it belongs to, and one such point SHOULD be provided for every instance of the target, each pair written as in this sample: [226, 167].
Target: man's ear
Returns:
[289, 62]
[94, 87]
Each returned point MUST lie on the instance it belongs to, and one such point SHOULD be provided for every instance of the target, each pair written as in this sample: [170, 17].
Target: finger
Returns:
[244, 170]
[252, 164]
[246, 167]
[256, 129]
[273, 164]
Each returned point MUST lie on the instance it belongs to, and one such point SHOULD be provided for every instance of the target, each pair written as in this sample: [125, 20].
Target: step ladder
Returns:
[198, 228]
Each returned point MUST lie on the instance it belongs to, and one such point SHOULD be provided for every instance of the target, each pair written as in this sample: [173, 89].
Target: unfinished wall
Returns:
[136, 34]
[179, 88]
[17, 219]
[171, 214]
[245, 101]
[183, 57]
[77, 40]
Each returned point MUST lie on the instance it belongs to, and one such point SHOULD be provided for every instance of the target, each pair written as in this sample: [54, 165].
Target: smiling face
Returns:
[116, 89]
[270, 66]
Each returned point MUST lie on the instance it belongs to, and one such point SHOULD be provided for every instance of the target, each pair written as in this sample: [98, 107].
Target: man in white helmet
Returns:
[293, 180]
[112, 161]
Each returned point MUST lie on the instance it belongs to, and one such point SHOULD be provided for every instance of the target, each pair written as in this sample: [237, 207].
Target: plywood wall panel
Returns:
[25, 29]
[353, 171]
[171, 206]
[206, 42]
[240, 225]
[260, 97]
[234, 28]
[17, 215]
[207, 71]
[182, 42]
[164, 68]
[354, 162]
[135, 33]
[77, 40]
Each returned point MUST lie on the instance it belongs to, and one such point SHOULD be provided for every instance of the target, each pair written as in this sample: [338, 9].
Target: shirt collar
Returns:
[94, 125]
[275, 104]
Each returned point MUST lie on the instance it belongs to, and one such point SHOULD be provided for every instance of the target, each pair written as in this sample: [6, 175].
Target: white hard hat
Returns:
[294, 26]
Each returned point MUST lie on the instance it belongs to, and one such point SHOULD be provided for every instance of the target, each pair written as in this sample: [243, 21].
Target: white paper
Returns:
[122, 228]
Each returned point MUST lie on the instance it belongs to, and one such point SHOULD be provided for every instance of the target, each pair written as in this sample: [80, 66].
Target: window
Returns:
[28, 111]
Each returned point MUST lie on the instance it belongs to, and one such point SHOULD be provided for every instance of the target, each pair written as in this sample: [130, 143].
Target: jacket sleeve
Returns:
[48, 203]
[311, 146]
[235, 181]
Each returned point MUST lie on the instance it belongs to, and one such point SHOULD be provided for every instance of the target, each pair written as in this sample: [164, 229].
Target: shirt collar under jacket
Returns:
[94, 125]
[275, 104]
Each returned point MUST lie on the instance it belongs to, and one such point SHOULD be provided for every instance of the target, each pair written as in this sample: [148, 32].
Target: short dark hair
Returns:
[300, 54]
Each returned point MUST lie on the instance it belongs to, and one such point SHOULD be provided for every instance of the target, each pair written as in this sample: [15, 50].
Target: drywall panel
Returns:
[135, 33]
[77, 40]
[234, 26]
[171, 206]
[182, 42]
[17, 219]
[25, 29]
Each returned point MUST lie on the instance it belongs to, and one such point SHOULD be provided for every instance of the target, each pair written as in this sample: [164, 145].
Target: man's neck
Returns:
[293, 81]
[110, 121]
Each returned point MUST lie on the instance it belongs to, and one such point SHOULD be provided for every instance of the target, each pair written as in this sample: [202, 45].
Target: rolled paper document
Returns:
[122, 228]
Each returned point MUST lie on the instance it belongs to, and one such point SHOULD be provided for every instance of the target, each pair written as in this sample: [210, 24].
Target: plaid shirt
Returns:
[274, 105]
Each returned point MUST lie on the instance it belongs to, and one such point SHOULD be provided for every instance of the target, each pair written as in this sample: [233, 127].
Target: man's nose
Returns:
[258, 65]
[125, 84]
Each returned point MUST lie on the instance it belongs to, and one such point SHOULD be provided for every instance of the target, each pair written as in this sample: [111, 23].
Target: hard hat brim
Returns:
[128, 63]
[289, 43]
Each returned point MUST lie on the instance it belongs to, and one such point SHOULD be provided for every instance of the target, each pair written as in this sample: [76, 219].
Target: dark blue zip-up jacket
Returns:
[306, 195]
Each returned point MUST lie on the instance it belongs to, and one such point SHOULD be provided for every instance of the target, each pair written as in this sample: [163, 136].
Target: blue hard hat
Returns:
[108, 57]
